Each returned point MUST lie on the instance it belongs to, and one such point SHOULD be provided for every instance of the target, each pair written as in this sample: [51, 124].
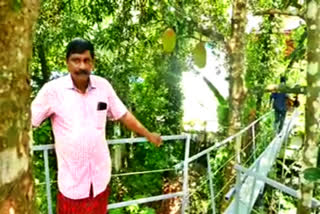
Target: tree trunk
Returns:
[44, 65]
[236, 52]
[312, 109]
[236, 48]
[16, 182]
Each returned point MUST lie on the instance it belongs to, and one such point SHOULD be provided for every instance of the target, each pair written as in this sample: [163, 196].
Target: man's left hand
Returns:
[155, 139]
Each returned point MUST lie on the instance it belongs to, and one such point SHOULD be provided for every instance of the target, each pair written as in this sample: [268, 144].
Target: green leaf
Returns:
[169, 40]
[116, 211]
[147, 210]
[133, 208]
[200, 55]
[16, 5]
[312, 174]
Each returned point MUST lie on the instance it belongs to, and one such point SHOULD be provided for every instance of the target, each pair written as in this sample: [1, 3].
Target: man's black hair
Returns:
[79, 46]
[283, 79]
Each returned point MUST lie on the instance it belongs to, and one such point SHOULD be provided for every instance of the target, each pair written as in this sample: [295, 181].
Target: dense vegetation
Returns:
[143, 47]
[147, 77]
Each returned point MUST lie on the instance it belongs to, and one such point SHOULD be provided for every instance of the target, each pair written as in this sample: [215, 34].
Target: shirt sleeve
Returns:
[271, 97]
[41, 106]
[116, 108]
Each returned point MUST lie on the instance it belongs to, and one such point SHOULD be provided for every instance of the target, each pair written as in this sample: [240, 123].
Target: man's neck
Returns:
[81, 86]
[83, 89]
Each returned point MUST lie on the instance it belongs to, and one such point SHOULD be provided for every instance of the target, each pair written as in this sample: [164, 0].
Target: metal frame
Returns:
[184, 164]
[211, 185]
[275, 184]
[48, 186]
[224, 142]
[184, 193]
[262, 165]
[215, 147]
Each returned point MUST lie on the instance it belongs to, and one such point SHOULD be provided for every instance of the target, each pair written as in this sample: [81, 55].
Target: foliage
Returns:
[130, 54]
[265, 61]
[42, 136]
[312, 174]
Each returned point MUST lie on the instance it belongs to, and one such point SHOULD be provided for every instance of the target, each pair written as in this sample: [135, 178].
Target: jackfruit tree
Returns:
[16, 181]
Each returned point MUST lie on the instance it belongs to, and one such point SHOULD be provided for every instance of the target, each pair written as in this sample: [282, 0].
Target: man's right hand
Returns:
[155, 139]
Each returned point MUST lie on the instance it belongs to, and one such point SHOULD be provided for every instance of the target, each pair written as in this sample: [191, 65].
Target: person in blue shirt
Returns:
[280, 106]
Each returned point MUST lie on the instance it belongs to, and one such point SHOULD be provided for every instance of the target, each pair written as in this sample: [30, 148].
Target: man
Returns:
[279, 106]
[78, 105]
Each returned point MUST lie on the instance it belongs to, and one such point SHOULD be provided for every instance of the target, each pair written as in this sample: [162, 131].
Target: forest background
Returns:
[143, 48]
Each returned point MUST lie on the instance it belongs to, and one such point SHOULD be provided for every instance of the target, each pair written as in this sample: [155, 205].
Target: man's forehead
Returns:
[85, 54]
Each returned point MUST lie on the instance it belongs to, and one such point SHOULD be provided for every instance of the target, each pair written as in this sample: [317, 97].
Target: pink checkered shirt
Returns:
[79, 131]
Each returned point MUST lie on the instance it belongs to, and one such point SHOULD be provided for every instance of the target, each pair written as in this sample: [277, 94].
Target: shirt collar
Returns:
[70, 85]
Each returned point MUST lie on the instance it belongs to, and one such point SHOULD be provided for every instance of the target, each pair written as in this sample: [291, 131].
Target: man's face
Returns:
[80, 66]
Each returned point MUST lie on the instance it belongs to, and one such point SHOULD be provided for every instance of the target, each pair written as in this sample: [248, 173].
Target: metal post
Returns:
[253, 187]
[284, 157]
[256, 168]
[213, 205]
[185, 176]
[238, 149]
[48, 189]
[144, 200]
[238, 178]
[254, 142]
[238, 188]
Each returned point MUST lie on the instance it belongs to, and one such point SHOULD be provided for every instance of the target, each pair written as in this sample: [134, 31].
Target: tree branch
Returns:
[279, 12]
[195, 38]
[44, 64]
[285, 89]
[210, 33]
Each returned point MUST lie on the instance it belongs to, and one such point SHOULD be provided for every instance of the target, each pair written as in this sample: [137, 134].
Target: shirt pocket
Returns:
[101, 118]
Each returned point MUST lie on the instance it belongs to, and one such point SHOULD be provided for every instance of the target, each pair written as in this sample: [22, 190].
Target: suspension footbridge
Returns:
[249, 181]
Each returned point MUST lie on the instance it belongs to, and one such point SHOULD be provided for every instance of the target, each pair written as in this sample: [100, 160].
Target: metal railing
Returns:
[247, 188]
[256, 174]
[314, 203]
[215, 147]
[183, 194]
[183, 165]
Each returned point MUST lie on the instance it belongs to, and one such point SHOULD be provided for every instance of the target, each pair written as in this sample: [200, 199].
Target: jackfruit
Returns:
[169, 40]
[200, 55]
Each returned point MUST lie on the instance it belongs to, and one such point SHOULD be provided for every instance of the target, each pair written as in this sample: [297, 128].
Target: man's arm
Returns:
[41, 107]
[129, 120]
[270, 99]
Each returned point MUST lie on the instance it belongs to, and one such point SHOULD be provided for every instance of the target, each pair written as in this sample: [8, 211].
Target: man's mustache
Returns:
[83, 72]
